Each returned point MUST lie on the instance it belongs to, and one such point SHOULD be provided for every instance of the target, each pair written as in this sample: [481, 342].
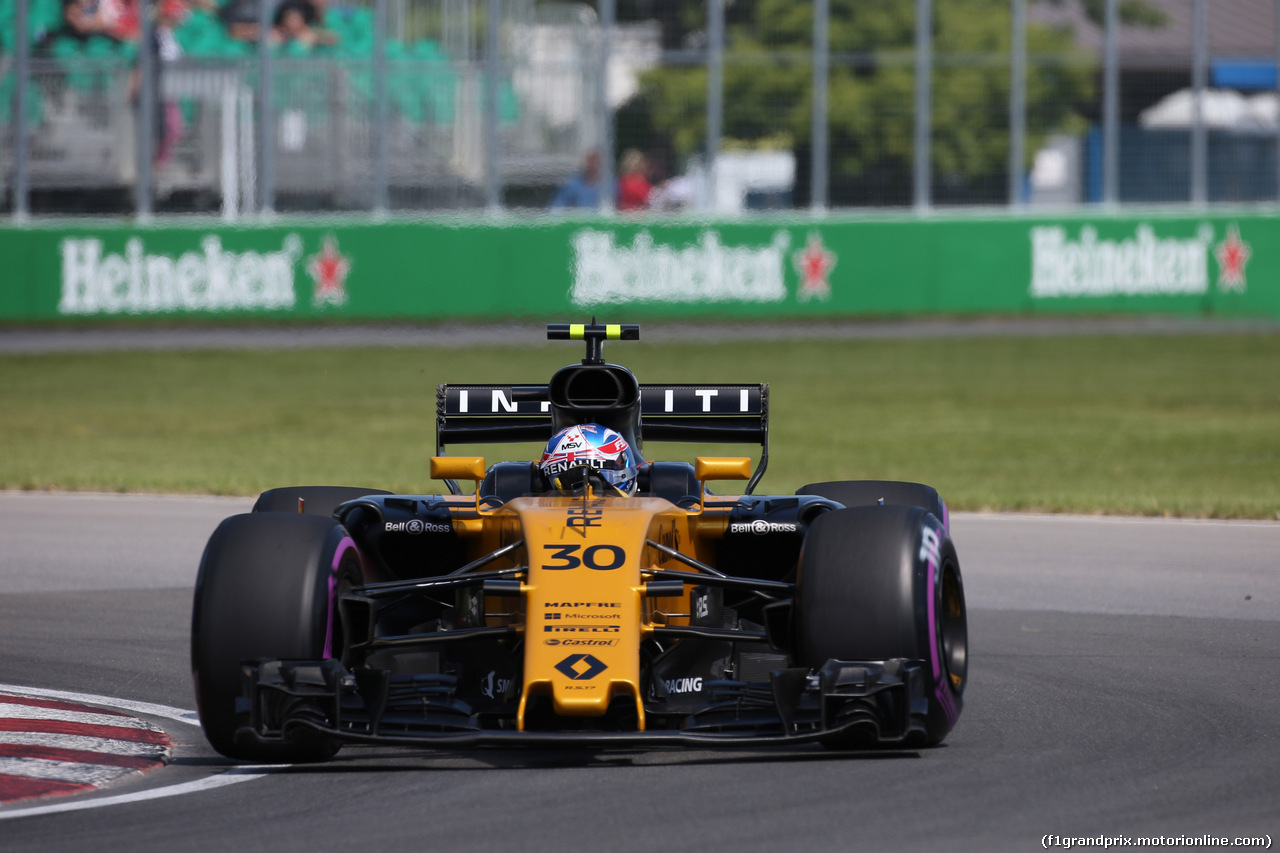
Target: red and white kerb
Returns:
[51, 748]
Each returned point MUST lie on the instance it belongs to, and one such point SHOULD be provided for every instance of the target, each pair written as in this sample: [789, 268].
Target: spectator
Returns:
[240, 17]
[291, 27]
[299, 22]
[633, 185]
[302, 22]
[324, 35]
[169, 125]
[582, 189]
[85, 18]
[121, 18]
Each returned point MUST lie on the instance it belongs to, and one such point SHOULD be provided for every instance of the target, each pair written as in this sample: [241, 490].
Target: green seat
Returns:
[43, 16]
[34, 101]
[230, 48]
[65, 48]
[293, 50]
[427, 49]
[355, 46]
[200, 34]
[351, 23]
[100, 47]
[438, 87]
[508, 104]
[71, 54]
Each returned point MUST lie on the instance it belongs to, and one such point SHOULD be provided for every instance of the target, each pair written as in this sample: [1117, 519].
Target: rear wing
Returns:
[490, 414]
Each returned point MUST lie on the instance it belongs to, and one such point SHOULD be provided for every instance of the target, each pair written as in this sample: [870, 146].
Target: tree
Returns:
[768, 93]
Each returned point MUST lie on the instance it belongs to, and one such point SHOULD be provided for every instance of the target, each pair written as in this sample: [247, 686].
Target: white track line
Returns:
[220, 780]
[151, 710]
[227, 777]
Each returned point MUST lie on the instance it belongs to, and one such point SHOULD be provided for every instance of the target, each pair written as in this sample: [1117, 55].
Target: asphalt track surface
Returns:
[1123, 682]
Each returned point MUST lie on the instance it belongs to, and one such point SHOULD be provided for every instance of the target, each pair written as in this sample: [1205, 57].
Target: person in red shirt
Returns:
[633, 184]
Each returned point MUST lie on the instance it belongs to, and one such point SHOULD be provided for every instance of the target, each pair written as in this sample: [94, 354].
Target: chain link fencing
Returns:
[708, 107]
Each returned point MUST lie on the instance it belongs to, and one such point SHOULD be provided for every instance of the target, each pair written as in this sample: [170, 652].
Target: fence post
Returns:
[21, 168]
[266, 114]
[1017, 102]
[924, 97]
[1199, 77]
[715, 92]
[606, 174]
[380, 118]
[818, 173]
[146, 119]
[1111, 106]
[492, 68]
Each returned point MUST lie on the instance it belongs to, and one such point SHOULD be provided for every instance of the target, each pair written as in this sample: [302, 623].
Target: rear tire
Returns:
[883, 582]
[316, 500]
[265, 591]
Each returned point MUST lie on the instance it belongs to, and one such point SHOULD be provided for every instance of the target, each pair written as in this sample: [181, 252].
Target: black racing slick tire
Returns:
[883, 582]
[265, 591]
[316, 500]
[853, 493]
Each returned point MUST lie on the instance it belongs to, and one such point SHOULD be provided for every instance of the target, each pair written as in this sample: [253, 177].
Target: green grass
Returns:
[1185, 425]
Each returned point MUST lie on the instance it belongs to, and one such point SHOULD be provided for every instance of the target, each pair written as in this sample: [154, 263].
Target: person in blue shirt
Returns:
[583, 188]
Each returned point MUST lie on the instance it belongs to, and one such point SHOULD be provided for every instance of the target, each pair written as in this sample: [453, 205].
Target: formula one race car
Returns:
[591, 598]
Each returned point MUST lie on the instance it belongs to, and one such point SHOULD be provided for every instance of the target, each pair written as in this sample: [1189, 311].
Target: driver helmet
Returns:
[590, 445]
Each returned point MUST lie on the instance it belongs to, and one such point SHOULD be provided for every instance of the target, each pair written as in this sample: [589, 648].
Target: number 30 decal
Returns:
[602, 558]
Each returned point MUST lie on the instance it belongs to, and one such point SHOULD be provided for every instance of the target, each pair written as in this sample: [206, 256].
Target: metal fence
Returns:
[437, 105]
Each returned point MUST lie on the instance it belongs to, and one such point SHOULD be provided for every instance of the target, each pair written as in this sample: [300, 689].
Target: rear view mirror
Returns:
[457, 467]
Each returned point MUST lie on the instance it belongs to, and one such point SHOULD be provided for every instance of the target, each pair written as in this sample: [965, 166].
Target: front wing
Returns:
[853, 703]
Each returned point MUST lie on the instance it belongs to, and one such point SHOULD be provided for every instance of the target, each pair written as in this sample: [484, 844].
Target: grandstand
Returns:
[83, 124]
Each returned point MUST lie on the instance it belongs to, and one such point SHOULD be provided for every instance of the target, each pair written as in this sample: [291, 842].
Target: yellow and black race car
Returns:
[588, 598]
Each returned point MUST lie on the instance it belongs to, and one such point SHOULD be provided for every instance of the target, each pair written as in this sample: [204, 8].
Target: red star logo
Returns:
[328, 270]
[814, 263]
[1232, 253]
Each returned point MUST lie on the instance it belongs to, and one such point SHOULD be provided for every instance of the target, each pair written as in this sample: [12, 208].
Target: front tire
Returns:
[265, 591]
[883, 582]
[853, 493]
[316, 500]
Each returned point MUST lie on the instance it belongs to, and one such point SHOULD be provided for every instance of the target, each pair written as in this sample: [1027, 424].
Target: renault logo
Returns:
[581, 667]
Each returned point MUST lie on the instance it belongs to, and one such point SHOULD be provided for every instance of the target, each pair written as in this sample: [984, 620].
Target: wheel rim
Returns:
[953, 629]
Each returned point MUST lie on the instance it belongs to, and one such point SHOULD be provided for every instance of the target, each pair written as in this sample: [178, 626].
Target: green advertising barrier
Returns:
[1219, 263]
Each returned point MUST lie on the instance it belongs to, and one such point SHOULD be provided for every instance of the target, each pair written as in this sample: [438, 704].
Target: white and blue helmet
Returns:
[594, 446]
